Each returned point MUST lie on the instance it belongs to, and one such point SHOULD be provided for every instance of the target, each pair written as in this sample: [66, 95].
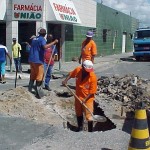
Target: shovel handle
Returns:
[79, 100]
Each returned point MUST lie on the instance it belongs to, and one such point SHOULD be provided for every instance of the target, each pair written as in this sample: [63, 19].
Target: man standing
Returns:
[36, 60]
[49, 61]
[88, 48]
[16, 48]
[86, 87]
[3, 53]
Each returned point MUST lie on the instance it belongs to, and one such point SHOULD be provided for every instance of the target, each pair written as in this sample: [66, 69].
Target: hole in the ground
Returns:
[63, 94]
[97, 126]
[102, 126]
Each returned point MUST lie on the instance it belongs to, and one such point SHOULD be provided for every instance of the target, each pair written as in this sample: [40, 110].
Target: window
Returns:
[104, 35]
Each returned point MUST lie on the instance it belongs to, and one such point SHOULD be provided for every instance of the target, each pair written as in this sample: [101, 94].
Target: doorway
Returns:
[124, 42]
[25, 31]
[3, 33]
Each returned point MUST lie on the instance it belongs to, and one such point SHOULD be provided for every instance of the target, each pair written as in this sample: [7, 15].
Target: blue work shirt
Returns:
[3, 51]
[36, 54]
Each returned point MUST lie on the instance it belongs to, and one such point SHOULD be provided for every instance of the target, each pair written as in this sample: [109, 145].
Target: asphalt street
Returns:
[16, 133]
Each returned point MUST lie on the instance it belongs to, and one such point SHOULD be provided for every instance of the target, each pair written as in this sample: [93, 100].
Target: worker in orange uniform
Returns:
[86, 87]
[88, 48]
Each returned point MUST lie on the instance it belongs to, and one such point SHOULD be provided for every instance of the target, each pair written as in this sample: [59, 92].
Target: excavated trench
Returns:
[97, 126]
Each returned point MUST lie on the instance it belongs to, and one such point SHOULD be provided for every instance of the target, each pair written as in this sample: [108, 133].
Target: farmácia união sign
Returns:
[65, 11]
[33, 11]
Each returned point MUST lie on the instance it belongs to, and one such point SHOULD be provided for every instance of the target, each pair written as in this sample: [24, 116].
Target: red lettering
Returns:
[64, 9]
[55, 6]
[27, 7]
[15, 6]
[22, 7]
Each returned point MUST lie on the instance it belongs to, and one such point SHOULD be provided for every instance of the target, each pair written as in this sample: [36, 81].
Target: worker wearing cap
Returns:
[36, 59]
[88, 48]
[86, 87]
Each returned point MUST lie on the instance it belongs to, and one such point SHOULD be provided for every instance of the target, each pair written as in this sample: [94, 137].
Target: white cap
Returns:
[88, 65]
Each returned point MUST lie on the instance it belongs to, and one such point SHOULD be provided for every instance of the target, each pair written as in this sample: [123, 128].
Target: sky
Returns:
[139, 9]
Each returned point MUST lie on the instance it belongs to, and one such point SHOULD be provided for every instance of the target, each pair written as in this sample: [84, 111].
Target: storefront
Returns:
[68, 21]
[3, 22]
[59, 13]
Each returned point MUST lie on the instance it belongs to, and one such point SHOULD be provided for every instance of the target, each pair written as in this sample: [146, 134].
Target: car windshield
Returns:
[142, 34]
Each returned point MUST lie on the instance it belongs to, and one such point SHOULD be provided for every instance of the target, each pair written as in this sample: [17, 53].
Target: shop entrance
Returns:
[25, 31]
[3, 33]
[55, 30]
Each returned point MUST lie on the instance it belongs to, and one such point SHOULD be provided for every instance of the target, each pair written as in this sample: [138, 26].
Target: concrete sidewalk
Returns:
[64, 67]
[99, 61]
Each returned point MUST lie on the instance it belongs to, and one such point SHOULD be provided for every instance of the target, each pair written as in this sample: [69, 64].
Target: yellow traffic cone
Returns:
[140, 134]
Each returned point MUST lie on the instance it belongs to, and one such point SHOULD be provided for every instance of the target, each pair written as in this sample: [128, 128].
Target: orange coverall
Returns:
[89, 50]
[83, 88]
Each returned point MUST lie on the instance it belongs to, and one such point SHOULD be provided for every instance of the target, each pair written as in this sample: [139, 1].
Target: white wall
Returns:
[87, 12]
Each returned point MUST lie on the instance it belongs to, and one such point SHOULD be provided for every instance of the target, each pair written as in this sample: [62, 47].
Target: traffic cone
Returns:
[140, 134]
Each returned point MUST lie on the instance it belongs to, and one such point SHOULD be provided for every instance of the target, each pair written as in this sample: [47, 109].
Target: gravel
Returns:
[59, 139]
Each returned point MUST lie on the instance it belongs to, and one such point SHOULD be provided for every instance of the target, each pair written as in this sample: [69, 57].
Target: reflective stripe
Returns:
[140, 134]
[140, 114]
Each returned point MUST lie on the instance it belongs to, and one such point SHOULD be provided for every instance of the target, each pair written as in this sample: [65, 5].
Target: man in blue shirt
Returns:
[36, 59]
[3, 53]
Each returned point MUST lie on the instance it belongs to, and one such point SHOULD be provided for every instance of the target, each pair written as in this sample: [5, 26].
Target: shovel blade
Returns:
[99, 118]
[40, 92]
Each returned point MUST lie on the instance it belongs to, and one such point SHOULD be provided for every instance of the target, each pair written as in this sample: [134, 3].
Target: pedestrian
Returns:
[88, 48]
[3, 54]
[49, 61]
[16, 48]
[28, 44]
[86, 87]
[36, 60]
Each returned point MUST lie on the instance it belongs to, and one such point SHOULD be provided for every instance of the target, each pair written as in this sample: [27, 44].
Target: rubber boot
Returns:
[80, 123]
[39, 90]
[90, 126]
[31, 83]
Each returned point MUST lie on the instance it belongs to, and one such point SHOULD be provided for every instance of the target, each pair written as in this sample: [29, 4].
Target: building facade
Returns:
[68, 21]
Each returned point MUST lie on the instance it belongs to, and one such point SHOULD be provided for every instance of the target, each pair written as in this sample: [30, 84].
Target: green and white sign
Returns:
[27, 10]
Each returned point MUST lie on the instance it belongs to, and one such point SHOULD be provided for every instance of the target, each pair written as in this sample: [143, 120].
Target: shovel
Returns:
[96, 118]
[40, 88]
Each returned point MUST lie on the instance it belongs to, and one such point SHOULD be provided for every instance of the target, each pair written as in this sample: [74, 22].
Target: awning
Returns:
[63, 11]
[3, 9]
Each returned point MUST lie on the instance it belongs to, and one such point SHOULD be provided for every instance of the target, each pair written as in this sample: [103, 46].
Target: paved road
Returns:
[16, 133]
[125, 66]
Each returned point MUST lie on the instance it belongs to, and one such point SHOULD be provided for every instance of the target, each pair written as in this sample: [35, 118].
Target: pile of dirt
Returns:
[19, 102]
[130, 90]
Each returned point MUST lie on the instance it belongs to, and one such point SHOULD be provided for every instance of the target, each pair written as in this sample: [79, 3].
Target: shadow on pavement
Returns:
[132, 59]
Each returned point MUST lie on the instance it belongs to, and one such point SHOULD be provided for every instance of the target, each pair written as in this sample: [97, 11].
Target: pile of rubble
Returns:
[129, 90]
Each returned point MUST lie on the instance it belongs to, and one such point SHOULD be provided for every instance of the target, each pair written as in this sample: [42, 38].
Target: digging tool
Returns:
[96, 118]
[40, 88]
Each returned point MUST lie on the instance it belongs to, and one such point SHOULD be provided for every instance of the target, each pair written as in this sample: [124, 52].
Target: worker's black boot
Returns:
[39, 90]
[80, 123]
[90, 126]
[31, 83]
